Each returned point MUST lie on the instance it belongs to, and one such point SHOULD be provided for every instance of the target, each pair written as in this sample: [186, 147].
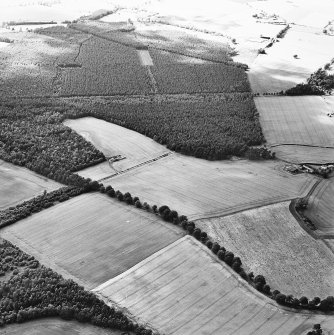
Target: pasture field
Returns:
[184, 289]
[270, 242]
[298, 154]
[299, 120]
[320, 208]
[19, 184]
[115, 140]
[91, 238]
[200, 188]
[53, 326]
[279, 70]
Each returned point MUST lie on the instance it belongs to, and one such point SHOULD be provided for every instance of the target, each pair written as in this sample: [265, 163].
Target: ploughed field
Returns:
[297, 126]
[320, 208]
[270, 242]
[184, 289]
[115, 140]
[91, 238]
[194, 187]
[19, 184]
[53, 326]
[200, 188]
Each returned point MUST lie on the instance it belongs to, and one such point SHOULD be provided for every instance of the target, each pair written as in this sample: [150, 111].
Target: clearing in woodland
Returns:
[200, 188]
[184, 289]
[115, 140]
[91, 238]
[18, 184]
[320, 209]
[298, 121]
[270, 242]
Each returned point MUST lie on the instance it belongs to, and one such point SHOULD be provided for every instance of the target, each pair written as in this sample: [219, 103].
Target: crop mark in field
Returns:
[136, 166]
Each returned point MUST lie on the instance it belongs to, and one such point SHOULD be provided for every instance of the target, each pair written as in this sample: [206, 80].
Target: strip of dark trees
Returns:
[258, 282]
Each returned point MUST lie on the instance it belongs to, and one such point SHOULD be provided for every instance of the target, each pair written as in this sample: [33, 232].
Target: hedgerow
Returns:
[34, 291]
[258, 282]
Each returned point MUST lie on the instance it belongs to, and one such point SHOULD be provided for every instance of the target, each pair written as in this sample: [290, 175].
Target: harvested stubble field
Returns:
[200, 188]
[270, 242]
[299, 154]
[53, 326]
[279, 69]
[184, 289]
[299, 120]
[91, 238]
[18, 184]
[320, 208]
[115, 140]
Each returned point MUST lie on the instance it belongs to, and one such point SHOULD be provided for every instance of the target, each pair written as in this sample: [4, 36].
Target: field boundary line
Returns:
[137, 166]
[301, 145]
[138, 266]
[249, 206]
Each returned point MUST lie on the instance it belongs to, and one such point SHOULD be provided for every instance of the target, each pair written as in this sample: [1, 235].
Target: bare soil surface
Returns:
[270, 242]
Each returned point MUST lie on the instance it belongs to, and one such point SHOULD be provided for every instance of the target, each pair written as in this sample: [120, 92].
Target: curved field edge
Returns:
[293, 261]
[53, 326]
[320, 208]
[207, 297]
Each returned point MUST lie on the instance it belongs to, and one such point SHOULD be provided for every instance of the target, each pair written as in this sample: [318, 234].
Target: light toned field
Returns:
[19, 184]
[183, 289]
[321, 207]
[48, 10]
[200, 188]
[303, 154]
[91, 238]
[298, 120]
[53, 326]
[114, 140]
[279, 70]
[270, 242]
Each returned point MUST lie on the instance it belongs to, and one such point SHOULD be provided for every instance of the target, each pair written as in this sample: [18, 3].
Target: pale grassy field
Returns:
[91, 238]
[279, 70]
[321, 207]
[270, 242]
[183, 289]
[200, 188]
[113, 140]
[296, 120]
[303, 154]
[19, 184]
[53, 326]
